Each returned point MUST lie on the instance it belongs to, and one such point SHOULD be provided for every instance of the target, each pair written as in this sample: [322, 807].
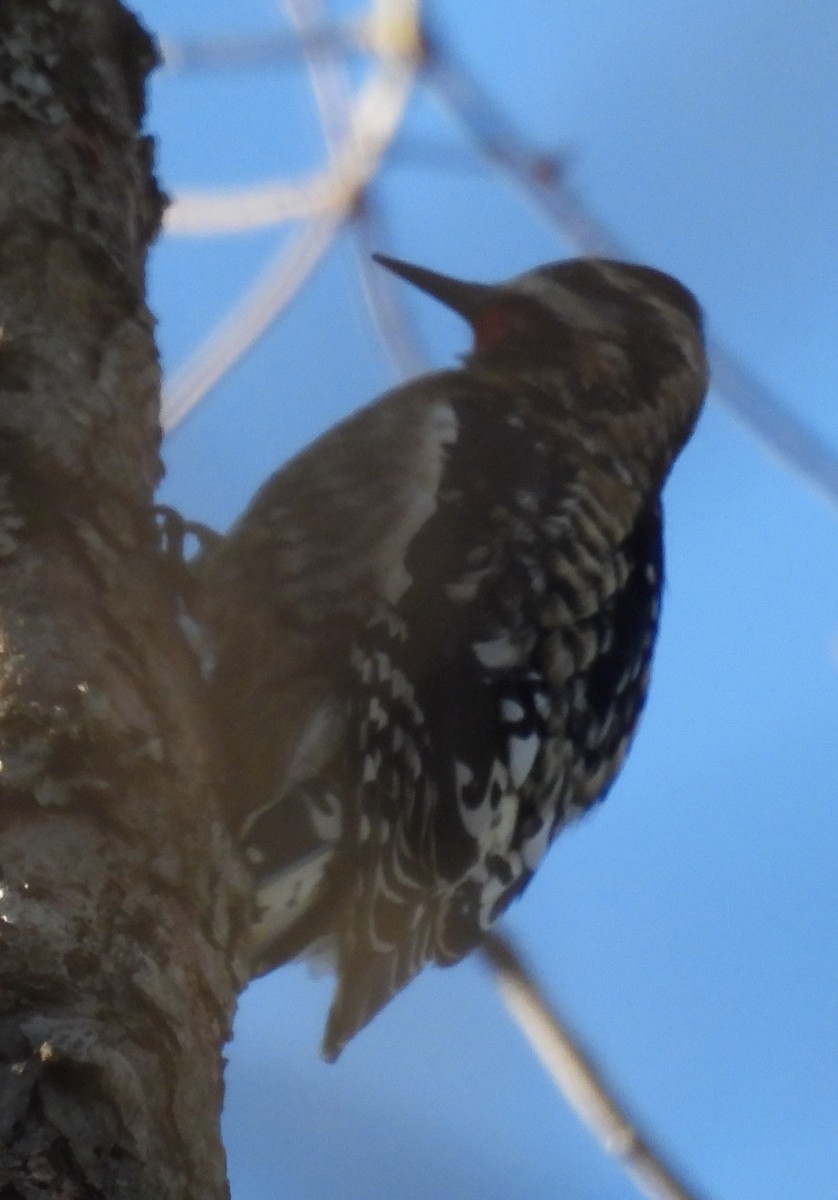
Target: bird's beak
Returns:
[464, 298]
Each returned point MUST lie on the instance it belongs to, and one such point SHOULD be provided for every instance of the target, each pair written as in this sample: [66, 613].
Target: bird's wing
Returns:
[451, 707]
[319, 543]
[472, 702]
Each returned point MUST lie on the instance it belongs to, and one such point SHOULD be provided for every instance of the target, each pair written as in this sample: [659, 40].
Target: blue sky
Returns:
[687, 928]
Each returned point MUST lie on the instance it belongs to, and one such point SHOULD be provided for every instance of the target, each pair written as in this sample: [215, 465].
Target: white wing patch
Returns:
[498, 653]
[491, 821]
[283, 897]
[523, 752]
[318, 741]
[418, 501]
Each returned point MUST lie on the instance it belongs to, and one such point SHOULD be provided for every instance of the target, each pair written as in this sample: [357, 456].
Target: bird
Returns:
[430, 632]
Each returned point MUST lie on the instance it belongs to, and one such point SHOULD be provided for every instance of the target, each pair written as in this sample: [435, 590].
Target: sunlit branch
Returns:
[244, 324]
[390, 318]
[580, 1081]
[327, 77]
[331, 89]
[372, 124]
[391, 28]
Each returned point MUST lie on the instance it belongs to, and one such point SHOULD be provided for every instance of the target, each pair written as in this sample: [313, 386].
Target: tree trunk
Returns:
[121, 901]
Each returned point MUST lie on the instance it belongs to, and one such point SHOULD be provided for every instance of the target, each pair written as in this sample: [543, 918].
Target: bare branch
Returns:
[388, 313]
[391, 27]
[782, 433]
[543, 181]
[232, 337]
[238, 52]
[542, 177]
[372, 125]
[581, 1082]
[327, 77]
[327, 200]
[330, 85]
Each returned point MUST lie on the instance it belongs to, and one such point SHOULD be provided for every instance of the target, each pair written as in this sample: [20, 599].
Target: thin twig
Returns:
[391, 32]
[390, 26]
[581, 1082]
[782, 433]
[544, 182]
[373, 122]
[243, 52]
[232, 337]
[332, 93]
[328, 79]
[388, 313]
[542, 177]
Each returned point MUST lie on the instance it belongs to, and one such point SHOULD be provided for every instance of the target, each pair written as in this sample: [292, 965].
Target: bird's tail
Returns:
[377, 956]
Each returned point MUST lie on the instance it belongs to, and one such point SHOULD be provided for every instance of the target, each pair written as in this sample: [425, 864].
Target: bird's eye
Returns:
[495, 323]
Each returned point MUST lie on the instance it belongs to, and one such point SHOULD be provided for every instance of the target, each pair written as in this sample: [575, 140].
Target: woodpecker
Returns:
[431, 631]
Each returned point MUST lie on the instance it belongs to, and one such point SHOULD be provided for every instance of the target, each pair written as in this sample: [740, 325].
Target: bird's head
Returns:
[574, 316]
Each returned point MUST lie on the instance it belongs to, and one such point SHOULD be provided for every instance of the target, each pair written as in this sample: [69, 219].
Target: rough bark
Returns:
[120, 899]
